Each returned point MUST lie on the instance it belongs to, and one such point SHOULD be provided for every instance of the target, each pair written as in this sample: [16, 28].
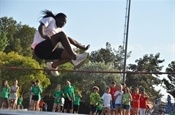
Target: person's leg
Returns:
[31, 105]
[37, 105]
[54, 107]
[108, 110]
[61, 37]
[58, 108]
[15, 104]
[71, 106]
[144, 111]
[66, 105]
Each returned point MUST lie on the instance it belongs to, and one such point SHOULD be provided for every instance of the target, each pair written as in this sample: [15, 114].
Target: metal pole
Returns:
[126, 43]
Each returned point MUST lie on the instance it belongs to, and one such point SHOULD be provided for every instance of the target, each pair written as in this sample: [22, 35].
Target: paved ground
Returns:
[26, 112]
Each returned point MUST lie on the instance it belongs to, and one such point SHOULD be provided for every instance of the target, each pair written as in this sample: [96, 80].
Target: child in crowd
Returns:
[58, 95]
[19, 102]
[135, 101]
[41, 104]
[143, 102]
[126, 101]
[118, 100]
[36, 96]
[112, 91]
[99, 107]
[94, 98]
[107, 101]
[77, 102]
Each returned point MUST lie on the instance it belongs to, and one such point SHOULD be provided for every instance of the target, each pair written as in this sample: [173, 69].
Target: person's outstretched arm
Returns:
[75, 43]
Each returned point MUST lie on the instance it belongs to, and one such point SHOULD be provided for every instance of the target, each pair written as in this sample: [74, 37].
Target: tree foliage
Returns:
[110, 56]
[170, 81]
[149, 63]
[19, 36]
[3, 41]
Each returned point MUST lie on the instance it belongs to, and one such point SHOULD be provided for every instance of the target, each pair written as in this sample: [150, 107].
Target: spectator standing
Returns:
[4, 95]
[57, 95]
[19, 102]
[77, 100]
[107, 101]
[69, 97]
[13, 97]
[94, 98]
[135, 101]
[99, 107]
[113, 89]
[143, 103]
[36, 95]
[118, 100]
[126, 101]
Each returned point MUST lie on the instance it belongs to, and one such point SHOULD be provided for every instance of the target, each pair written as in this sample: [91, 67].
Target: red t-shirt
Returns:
[135, 100]
[143, 100]
[112, 92]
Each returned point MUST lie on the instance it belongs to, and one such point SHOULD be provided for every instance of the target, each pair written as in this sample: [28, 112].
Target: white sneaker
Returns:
[80, 58]
[49, 66]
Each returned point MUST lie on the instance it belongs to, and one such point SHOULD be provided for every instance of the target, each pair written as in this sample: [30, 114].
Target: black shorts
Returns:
[93, 108]
[35, 97]
[68, 104]
[44, 51]
[76, 108]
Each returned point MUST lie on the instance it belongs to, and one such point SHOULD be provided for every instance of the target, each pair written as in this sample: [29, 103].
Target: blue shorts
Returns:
[126, 107]
[118, 106]
[113, 104]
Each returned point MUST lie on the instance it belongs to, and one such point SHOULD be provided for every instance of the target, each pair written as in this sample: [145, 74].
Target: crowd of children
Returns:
[9, 96]
[118, 100]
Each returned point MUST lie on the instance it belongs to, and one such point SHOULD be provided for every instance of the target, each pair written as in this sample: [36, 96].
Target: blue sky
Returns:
[95, 22]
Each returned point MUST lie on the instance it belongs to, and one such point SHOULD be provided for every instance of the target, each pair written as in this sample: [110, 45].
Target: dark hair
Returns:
[37, 81]
[2, 85]
[48, 13]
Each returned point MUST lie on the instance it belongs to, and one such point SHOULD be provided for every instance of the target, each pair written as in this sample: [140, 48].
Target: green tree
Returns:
[109, 56]
[170, 81]
[25, 76]
[25, 35]
[19, 36]
[149, 63]
[10, 26]
[3, 41]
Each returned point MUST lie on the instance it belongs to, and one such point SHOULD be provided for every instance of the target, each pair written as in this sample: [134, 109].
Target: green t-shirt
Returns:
[37, 91]
[126, 99]
[100, 105]
[69, 90]
[94, 98]
[58, 96]
[5, 92]
[19, 102]
[77, 100]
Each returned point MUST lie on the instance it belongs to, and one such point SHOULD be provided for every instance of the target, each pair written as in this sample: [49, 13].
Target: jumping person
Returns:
[48, 36]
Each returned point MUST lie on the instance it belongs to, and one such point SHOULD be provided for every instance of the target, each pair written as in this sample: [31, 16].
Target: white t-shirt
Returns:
[106, 99]
[50, 29]
[13, 95]
[118, 100]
